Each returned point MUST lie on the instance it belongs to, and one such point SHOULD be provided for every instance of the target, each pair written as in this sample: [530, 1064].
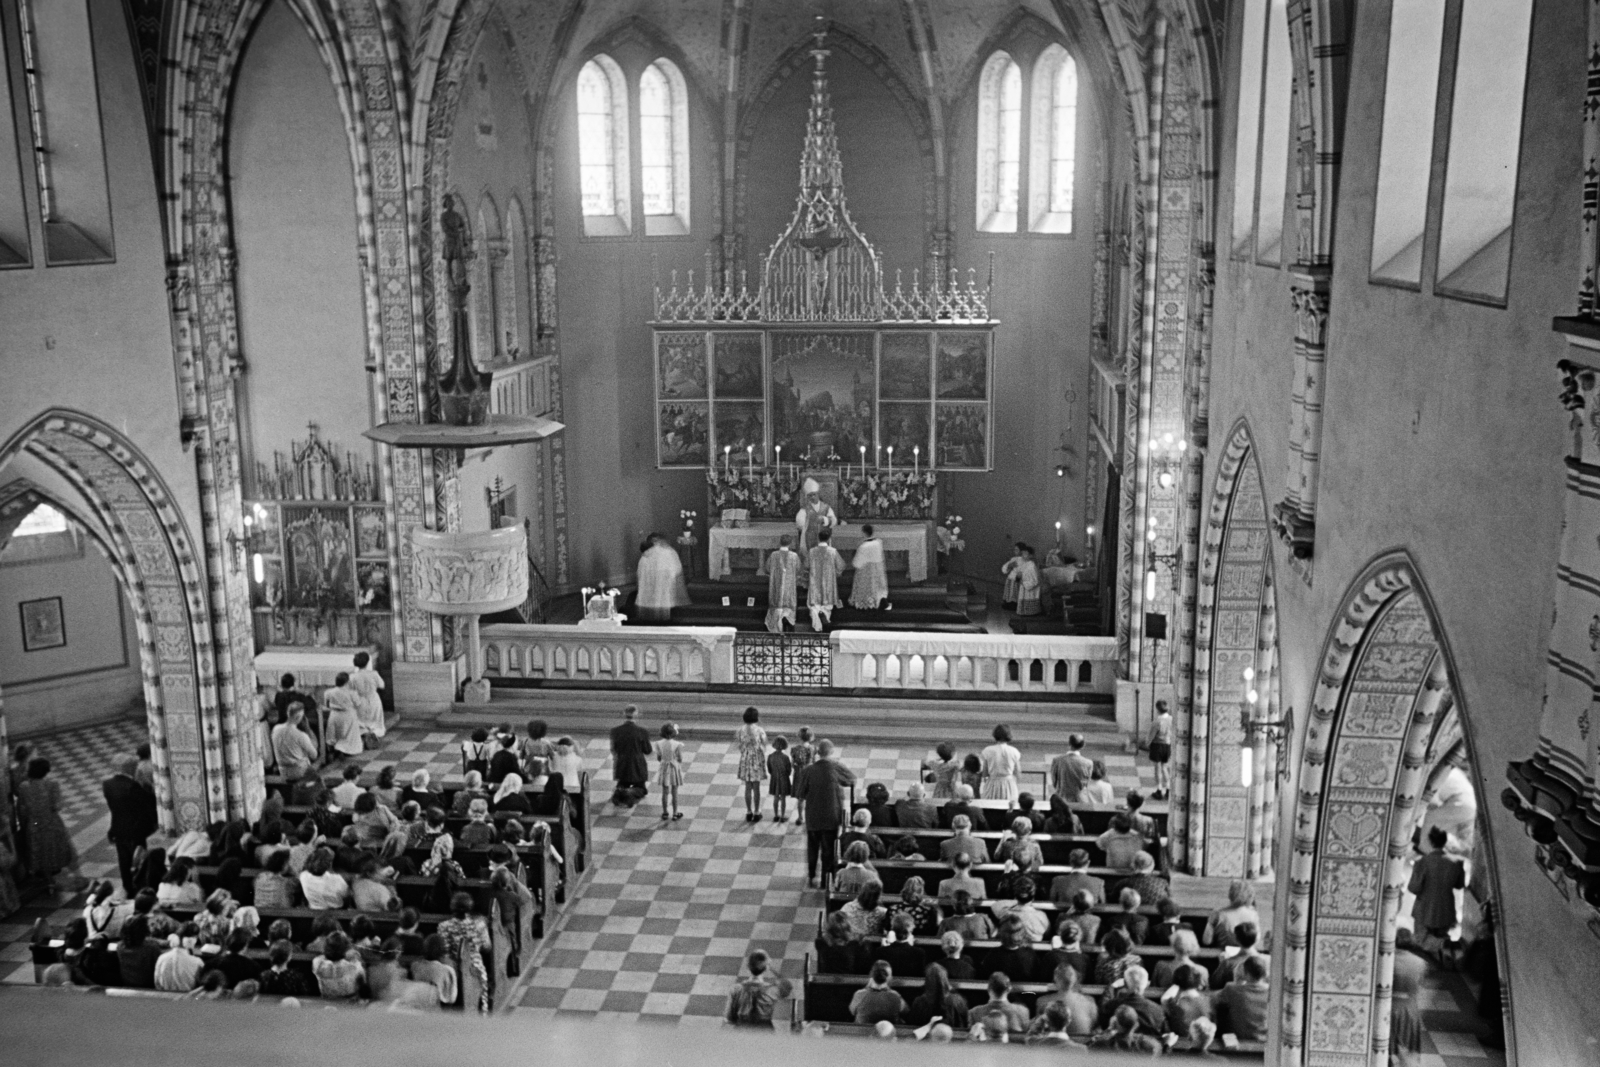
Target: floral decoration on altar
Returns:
[949, 535]
[880, 494]
[763, 492]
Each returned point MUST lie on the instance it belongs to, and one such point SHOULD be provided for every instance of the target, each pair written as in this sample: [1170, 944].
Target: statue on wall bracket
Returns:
[463, 388]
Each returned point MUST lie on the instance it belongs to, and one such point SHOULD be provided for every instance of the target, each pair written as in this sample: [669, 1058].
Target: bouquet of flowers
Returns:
[764, 493]
[888, 494]
[688, 516]
[949, 535]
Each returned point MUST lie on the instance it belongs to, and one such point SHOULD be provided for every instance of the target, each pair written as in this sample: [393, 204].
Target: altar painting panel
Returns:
[683, 435]
[963, 366]
[905, 366]
[740, 364]
[681, 366]
[737, 424]
[962, 432]
[905, 427]
[823, 393]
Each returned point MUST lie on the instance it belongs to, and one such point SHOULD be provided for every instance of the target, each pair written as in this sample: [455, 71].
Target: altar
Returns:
[915, 539]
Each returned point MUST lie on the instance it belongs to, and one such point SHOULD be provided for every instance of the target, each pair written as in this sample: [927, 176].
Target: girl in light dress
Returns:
[1001, 762]
[669, 754]
[752, 762]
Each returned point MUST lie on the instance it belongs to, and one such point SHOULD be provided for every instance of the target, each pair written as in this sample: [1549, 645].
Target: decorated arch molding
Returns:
[1235, 629]
[1385, 678]
[204, 771]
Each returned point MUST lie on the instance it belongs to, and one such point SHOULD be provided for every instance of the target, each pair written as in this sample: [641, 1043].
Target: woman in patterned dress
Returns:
[752, 762]
[467, 937]
[50, 848]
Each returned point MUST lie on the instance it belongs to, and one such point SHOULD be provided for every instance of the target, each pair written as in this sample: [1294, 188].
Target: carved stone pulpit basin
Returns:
[477, 573]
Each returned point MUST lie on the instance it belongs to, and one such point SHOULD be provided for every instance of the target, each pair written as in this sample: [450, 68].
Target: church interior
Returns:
[1173, 422]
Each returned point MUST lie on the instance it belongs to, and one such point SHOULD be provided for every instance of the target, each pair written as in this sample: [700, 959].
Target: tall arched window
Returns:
[515, 300]
[1052, 142]
[602, 100]
[1405, 156]
[664, 148]
[999, 143]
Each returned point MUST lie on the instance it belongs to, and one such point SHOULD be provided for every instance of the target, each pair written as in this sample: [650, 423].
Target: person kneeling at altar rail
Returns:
[815, 515]
[783, 572]
[661, 584]
[822, 593]
[871, 586]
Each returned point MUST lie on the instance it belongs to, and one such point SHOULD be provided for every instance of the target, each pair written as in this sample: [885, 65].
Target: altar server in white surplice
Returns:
[822, 594]
[365, 683]
[783, 569]
[871, 586]
[661, 584]
[815, 515]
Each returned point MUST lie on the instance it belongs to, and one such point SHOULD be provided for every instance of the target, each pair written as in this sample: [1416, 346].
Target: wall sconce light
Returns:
[1165, 454]
[239, 546]
[1277, 731]
[1156, 559]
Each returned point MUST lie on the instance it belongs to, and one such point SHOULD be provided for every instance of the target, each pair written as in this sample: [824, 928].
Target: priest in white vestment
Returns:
[822, 594]
[783, 570]
[815, 515]
[871, 586]
[661, 584]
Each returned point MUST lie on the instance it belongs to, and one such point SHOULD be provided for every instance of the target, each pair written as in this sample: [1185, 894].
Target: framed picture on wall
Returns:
[42, 624]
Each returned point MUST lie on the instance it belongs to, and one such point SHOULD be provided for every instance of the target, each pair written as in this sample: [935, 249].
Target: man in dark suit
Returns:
[818, 789]
[630, 762]
[133, 815]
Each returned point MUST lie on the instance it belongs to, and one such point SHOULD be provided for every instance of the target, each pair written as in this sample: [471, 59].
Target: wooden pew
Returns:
[1056, 847]
[1096, 820]
[893, 874]
[561, 835]
[1194, 918]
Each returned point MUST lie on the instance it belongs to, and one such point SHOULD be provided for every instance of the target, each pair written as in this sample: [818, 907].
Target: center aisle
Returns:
[660, 929]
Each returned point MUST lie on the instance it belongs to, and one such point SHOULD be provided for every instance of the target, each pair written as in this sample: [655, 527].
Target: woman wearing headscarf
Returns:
[468, 793]
[509, 796]
[421, 791]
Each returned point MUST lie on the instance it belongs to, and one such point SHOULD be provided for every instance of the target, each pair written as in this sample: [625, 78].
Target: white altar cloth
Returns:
[912, 538]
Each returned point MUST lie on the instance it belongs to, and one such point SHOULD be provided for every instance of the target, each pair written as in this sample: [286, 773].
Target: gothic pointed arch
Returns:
[208, 763]
[1387, 676]
[1225, 826]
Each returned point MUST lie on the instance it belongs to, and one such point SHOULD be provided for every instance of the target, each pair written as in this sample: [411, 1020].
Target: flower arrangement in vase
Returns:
[949, 535]
[880, 494]
[764, 492]
[687, 537]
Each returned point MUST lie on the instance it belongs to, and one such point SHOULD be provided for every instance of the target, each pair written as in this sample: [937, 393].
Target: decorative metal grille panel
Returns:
[795, 660]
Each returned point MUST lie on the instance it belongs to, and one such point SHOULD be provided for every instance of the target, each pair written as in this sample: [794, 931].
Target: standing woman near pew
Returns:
[467, 938]
[1001, 762]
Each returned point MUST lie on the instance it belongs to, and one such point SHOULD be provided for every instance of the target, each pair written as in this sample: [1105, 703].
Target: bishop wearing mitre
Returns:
[815, 516]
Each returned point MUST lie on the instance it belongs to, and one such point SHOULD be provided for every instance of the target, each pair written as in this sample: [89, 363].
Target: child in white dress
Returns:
[669, 754]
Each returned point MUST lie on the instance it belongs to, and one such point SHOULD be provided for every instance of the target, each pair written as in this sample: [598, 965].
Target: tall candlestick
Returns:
[778, 452]
[863, 461]
[891, 459]
[750, 458]
[1058, 533]
[916, 459]
[727, 462]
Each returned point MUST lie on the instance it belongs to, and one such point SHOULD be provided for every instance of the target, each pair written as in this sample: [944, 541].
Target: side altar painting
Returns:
[882, 400]
[319, 549]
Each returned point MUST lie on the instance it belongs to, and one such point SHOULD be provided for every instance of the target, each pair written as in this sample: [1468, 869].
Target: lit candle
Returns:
[750, 457]
[1058, 533]
[891, 459]
[916, 462]
[863, 461]
[778, 451]
[727, 463]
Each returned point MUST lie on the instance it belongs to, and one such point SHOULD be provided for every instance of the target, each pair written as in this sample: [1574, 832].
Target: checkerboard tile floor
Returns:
[658, 929]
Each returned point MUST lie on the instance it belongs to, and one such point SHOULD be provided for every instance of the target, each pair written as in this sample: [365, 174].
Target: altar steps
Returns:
[949, 594]
[880, 719]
